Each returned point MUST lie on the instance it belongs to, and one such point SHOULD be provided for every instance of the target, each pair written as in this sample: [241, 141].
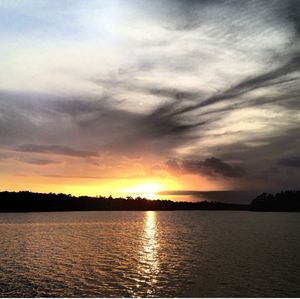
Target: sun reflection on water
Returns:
[149, 264]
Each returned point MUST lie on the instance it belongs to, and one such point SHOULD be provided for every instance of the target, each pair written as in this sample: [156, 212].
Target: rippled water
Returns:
[182, 253]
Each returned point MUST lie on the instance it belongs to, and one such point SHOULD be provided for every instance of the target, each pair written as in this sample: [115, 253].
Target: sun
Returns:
[147, 190]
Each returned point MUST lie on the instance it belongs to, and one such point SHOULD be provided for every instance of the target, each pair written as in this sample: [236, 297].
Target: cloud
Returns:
[290, 162]
[134, 177]
[39, 161]
[184, 79]
[293, 15]
[267, 79]
[213, 167]
[54, 149]
[45, 123]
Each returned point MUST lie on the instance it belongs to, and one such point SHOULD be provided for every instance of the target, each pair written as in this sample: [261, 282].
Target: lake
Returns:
[150, 254]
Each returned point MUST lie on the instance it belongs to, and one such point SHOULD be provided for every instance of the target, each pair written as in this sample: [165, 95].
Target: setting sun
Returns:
[148, 190]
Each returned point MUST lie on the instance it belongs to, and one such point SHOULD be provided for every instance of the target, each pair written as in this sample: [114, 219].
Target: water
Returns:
[150, 254]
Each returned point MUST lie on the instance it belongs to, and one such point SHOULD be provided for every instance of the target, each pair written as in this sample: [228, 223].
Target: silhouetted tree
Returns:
[287, 201]
[26, 201]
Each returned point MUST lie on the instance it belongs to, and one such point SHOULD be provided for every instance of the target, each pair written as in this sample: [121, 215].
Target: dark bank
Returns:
[25, 201]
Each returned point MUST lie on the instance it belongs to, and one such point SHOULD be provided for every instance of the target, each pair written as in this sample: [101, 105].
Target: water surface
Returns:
[150, 254]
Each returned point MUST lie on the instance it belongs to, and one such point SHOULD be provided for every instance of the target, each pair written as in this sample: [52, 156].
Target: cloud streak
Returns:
[213, 167]
[54, 149]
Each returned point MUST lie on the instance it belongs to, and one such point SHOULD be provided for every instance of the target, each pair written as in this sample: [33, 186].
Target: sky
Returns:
[120, 97]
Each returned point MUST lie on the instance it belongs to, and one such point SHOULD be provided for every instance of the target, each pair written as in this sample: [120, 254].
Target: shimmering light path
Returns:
[150, 254]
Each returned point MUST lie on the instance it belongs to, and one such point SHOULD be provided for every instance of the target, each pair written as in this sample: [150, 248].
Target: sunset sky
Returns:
[121, 97]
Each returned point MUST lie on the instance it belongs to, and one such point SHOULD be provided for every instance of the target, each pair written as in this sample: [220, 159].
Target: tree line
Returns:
[25, 201]
[286, 201]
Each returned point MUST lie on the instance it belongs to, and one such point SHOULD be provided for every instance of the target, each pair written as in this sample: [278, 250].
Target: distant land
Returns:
[25, 201]
[287, 201]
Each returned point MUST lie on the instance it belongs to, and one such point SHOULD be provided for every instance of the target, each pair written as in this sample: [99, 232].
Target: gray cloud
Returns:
[84, 126]
[211, 167]
[264, 80]
[40, 161]
[293, 14]
[54, 149]
[290, 162]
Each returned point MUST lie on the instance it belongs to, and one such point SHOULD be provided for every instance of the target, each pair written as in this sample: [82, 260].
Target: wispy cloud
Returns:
[54, 149]
[211, 87]
[40, 161]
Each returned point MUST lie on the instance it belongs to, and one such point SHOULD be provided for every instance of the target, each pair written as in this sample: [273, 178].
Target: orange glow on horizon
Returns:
[148, 187]
[148, 190]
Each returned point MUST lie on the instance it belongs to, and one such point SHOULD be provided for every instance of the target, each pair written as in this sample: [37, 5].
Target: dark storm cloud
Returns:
[211, 167]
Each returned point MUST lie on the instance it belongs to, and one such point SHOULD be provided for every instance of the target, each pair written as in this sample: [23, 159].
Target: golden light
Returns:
[147, 190]
[149, 266]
